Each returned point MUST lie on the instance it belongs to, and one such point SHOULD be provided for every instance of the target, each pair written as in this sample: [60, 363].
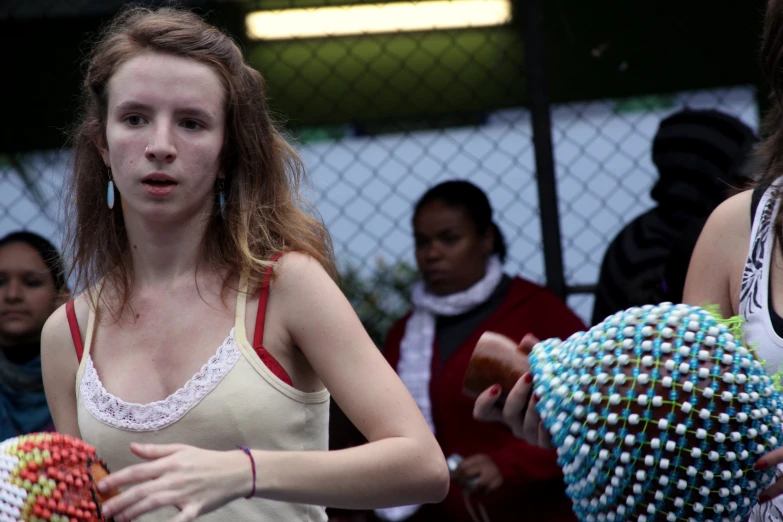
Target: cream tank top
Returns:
[234, 399]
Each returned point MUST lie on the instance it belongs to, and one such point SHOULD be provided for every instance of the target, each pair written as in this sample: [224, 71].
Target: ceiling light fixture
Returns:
[376, 18]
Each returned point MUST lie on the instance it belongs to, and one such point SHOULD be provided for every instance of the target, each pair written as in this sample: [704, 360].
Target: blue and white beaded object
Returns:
[658, 414]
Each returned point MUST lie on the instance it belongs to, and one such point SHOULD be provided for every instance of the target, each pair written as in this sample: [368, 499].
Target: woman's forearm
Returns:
[389, 472]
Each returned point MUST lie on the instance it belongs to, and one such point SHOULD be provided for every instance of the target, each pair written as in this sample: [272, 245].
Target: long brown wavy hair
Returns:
[264, 212]
[769, 153]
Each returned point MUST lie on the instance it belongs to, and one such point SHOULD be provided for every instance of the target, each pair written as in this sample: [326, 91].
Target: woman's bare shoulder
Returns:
[728, 227]
[715, 270]
[296, 268]
[57, 331]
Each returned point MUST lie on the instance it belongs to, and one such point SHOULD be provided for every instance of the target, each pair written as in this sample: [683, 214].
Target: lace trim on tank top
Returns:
[115, 412]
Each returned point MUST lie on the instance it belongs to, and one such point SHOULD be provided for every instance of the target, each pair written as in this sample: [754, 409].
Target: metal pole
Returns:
[580, 289]
[537, 88]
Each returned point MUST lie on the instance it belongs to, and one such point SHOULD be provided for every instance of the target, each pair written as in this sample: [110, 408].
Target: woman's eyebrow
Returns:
[23, 273]
[196, 112]
[132, 105]
[446, 230]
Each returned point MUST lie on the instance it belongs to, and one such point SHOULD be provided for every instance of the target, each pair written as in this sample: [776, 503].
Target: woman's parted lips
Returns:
[15, 313]
[158, 177]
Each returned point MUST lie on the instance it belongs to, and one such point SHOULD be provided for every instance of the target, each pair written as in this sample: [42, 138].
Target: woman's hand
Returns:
[519, 412]
[771, 459]
[193, 480]
[478, 474]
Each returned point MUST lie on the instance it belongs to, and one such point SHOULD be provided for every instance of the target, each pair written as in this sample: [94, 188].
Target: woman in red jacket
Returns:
[463, 293]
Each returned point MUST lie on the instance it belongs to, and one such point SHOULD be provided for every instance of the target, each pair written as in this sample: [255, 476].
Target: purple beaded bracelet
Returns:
[253, 465]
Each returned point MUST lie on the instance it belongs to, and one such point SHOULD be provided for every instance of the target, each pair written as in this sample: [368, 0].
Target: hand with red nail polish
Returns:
[518, 412]
[486, 407]
[770, 460]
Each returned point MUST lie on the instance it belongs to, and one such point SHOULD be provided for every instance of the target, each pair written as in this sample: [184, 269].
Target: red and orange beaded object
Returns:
[50, 477]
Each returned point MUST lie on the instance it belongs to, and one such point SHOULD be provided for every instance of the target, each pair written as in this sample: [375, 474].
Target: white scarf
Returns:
[416, 346]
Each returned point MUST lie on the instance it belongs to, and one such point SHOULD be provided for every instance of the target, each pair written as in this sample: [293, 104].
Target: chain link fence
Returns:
[365, 187]
[380, 119]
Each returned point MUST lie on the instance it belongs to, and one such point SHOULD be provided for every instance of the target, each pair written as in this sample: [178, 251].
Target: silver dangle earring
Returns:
[110, 191]
[221, 188]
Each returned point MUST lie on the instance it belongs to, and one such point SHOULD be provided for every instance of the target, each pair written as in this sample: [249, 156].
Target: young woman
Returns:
[464, 292]
[210, 320]
[32, 286]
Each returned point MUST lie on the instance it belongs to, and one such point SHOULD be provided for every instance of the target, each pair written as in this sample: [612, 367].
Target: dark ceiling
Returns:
[595, 49]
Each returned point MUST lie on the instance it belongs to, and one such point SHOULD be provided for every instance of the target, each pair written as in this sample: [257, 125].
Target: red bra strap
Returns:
[70, 312]
[263, 298]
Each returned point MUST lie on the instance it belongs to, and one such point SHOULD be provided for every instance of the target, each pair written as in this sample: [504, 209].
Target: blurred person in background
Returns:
[32, 286]
[463, 293]
[702, 158]
[671, 284]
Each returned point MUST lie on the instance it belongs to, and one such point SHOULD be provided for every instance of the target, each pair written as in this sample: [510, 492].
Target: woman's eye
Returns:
[134, 120]
[33, 283]
[192, 125]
